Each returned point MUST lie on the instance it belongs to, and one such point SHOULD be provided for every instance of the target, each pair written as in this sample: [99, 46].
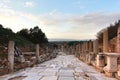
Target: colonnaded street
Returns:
[63, 67]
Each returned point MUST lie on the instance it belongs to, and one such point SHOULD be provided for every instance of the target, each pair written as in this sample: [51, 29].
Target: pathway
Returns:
[64, 67]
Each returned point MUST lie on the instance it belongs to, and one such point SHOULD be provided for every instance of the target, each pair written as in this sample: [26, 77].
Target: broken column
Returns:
[11, 55]
[37, 53]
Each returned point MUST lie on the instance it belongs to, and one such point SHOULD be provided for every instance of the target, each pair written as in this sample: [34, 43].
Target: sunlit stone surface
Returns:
[64, 67]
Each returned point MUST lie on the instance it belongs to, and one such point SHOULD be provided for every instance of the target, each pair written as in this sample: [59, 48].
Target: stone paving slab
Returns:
[34, 77]
[48, 73]
[65, 73]
[49, 78]
[64, 67]
[66, 78]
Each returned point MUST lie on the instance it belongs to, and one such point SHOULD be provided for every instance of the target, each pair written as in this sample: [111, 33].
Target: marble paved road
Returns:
[64, 67]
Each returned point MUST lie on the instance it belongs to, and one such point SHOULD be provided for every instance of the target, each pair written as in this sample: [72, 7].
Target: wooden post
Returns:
[11, 55]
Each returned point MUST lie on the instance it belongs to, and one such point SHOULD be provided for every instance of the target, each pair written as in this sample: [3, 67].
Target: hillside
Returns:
[7, 34]
[22, 37]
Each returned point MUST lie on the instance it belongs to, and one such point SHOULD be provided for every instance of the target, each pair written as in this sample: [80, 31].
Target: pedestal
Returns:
[100, 60]
[111, 67]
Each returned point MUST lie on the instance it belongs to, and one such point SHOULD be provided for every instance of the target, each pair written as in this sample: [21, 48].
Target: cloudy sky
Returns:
[60, 19]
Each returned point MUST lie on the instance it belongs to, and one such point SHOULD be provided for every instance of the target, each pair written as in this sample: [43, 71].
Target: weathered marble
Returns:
[105, 40]
[100, 60]
[64, 67]
[37, 53]
[118, 40]
[111, 64]
[11, 55]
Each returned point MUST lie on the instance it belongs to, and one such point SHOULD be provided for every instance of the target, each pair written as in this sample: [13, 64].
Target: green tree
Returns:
[35, 35]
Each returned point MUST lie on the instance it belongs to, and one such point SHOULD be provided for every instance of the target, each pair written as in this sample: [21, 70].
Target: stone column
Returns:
[62, 48]
[118, 40]
[90, 46]
[95, 52]
[87, 47]
[105, 41]
[90, 52]
[79, 48]
[76, 50]
[83, 51]
[111, 67]
[82, 47]
[11, 55]
[86, 51]
[37, 53]
[71, 49]
[95, 46]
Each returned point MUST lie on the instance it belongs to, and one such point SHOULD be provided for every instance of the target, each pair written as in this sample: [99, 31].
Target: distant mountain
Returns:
[55, 40]
[66, 40]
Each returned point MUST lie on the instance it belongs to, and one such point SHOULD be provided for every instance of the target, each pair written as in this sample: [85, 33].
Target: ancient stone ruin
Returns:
[103, 53]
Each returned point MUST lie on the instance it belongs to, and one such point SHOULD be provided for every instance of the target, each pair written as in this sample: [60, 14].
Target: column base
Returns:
[109, 74]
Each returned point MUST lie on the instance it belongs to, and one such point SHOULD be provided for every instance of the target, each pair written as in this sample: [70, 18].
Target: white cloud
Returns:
[3, 4]
[78, 26]
[58, 25]
[5, 1]
[29, 4]
[17, 20]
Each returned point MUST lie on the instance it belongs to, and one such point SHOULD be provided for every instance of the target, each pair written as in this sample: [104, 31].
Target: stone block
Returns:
[65, 73]
[100, 62]
[118, 72]
[66, 78]
[49, 78]
[111, 67]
